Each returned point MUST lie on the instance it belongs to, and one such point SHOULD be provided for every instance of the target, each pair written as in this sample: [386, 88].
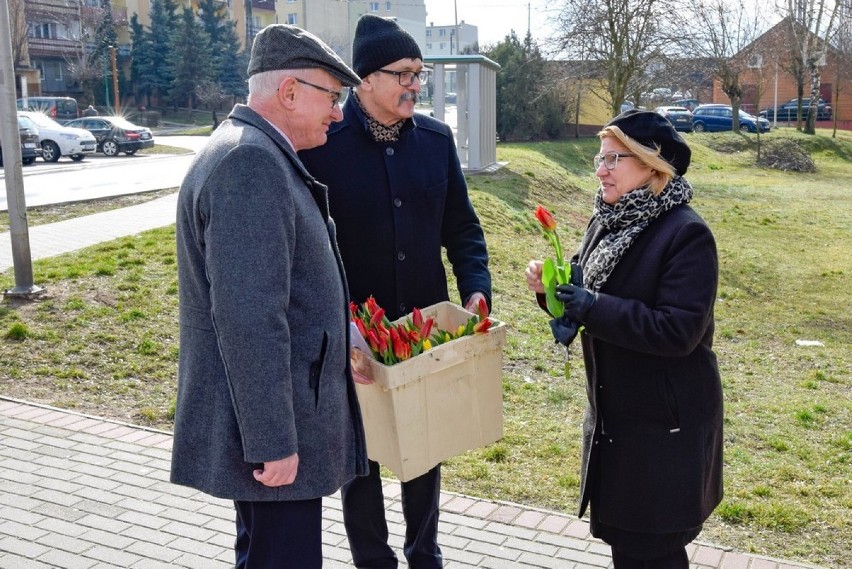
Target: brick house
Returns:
[767, 79]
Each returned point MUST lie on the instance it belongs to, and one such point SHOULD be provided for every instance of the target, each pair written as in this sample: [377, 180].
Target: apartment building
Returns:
[450, 39]
[52, 32]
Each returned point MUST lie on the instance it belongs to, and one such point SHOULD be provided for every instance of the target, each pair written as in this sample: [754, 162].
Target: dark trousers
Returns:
[367, 528]
[279, 535]
[677, 560]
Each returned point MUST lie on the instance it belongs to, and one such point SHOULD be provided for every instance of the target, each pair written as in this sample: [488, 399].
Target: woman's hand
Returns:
[533, 275]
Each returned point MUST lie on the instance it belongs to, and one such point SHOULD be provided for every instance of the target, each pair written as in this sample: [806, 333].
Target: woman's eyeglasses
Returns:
[610, 159]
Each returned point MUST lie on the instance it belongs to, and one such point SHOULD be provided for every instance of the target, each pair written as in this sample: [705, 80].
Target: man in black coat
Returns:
[398, 195]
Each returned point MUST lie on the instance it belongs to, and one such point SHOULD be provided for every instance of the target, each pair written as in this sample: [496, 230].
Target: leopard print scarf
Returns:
[380, 132]
[625, 220]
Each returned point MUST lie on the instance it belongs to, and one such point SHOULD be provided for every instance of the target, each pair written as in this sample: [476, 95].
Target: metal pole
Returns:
[114, 81]
[18, 232]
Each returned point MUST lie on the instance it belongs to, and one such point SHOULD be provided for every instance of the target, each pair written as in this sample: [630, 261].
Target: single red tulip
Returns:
[545, 218]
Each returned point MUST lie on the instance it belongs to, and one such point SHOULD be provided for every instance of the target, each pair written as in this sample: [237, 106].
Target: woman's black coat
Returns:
[652, 441]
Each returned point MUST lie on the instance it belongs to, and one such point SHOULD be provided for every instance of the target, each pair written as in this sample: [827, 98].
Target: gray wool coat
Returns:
[264, 369]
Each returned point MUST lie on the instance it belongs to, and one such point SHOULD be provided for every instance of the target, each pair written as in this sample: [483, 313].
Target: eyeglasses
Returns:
[406, 78]
[610, 159]
[335, 95]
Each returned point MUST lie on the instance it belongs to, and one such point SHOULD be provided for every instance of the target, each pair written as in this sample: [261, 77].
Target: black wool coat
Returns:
[652, 434]
[396, 205]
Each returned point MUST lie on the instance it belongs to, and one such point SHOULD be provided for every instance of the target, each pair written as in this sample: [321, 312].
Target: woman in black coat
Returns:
[652, 434]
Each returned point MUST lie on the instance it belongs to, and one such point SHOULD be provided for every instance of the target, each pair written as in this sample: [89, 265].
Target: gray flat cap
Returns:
[279, 46]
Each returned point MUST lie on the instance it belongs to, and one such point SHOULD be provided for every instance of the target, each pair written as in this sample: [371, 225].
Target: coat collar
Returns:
[247, 115]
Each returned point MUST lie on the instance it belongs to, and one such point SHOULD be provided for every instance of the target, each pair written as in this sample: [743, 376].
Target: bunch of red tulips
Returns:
[392, 343]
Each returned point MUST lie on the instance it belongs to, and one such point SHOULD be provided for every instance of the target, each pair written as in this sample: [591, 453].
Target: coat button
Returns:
[400, 256]
[389, 151]
[397, 202]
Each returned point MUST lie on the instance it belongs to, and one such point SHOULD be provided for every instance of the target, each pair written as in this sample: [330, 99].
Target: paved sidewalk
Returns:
[81, 492]
[79, 232]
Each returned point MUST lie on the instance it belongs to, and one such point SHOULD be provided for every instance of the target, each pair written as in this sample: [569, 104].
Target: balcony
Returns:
[263, 5]
[53, 47]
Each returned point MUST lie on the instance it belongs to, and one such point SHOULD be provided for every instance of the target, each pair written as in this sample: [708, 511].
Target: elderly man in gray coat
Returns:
[266, 409]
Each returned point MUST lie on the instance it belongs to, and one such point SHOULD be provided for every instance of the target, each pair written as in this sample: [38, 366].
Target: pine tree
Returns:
[163, 27]
[142, 74]
[189, 59]
[229, 65]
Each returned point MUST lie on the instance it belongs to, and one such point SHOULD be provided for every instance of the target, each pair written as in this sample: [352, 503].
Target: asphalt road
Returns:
[98, 176]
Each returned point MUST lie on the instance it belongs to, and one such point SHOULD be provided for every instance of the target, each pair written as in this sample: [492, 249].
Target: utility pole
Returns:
[21, 257]
[116, 102]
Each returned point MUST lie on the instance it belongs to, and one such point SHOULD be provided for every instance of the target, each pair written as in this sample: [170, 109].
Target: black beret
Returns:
[279, 46]
[379, 41]
[655, 131]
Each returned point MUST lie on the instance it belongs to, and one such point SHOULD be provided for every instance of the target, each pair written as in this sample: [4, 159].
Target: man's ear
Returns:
[287, 90]
[366, 83]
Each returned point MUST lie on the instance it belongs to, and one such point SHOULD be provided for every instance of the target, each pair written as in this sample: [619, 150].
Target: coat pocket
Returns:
[668, 404]
[315, 373]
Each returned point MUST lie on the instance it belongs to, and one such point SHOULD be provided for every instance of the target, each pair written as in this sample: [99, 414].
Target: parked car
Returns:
[30, 149]
[680, 117]
[60, 109]
[718, 118]
[687, 103]
[787, 111]
[57, 140]
[116, 134]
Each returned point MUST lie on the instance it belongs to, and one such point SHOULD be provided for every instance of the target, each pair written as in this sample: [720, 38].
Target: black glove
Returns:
[577, 301]
[564, 329]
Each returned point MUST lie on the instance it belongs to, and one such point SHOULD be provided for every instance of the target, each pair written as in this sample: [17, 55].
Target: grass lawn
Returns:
[103, 339]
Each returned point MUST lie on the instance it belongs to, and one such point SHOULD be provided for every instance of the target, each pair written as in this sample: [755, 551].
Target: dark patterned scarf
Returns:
[380, 132]
[625, 220]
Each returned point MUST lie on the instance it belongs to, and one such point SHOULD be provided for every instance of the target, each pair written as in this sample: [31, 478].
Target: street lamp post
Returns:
[115, 98]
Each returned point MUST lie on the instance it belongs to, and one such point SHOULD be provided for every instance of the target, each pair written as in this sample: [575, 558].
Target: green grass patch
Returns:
[103, 338]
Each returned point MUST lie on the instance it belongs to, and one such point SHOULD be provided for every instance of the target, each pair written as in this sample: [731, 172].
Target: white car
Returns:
[57, 140]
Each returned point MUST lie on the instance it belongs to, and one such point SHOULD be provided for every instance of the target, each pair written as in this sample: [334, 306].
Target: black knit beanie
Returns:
[378, 42]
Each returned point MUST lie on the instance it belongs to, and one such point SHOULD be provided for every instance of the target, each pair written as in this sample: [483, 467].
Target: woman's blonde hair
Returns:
[663, 172]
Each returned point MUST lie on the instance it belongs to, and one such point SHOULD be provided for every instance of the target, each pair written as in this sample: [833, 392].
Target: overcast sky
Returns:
[494, 18]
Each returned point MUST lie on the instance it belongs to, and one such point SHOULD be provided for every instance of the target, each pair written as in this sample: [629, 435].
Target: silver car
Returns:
[57, 140]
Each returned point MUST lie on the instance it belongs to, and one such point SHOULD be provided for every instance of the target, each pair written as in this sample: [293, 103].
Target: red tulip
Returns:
[417, 318]
[482, 309]
[377, 316]
[426, 329]
[371, 305]
[545, 218]
[482, 326]
[361, 328]
[373, 339]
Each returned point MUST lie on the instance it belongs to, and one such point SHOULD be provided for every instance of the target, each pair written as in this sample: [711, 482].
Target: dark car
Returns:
[30, 147]
[115, 134]
[719, 118]
[60, 109]
[787, 111]
[680, 117]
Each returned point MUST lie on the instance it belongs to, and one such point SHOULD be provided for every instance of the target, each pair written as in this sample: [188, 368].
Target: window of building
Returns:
[428, 47]
[293, 19]
[374, 6]
[429, 33]
[442, 32]
[388, 6]
[42, 30]
[443, 45]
